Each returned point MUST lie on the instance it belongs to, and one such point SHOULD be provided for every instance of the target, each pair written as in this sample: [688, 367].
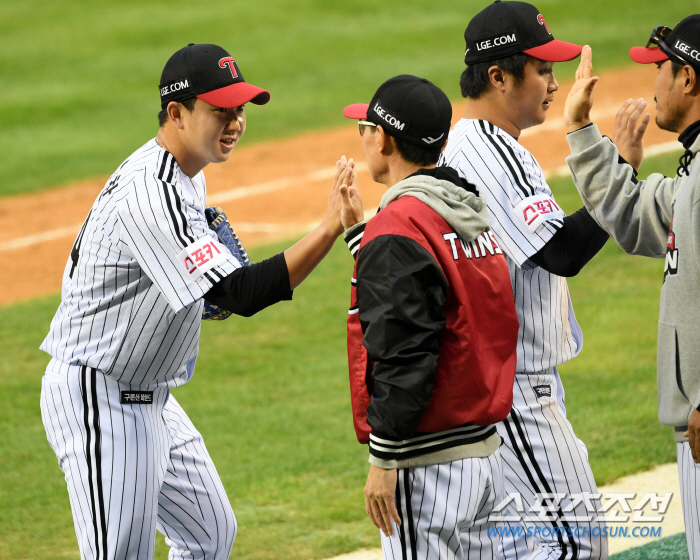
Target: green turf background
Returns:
[79, 93]
[80, 77]
[270, 395]
[671, 548]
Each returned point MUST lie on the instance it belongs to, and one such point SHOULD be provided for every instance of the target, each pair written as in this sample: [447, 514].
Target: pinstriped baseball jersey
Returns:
[133, 285]
[525, 217]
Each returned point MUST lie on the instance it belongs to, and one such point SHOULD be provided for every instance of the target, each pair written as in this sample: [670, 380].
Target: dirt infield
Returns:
[269, 191]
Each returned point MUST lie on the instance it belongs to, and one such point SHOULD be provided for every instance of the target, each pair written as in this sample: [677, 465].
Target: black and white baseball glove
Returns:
[216, 218]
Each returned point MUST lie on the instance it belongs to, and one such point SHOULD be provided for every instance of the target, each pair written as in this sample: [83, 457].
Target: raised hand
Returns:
[332, 219]
[629, 131]
[577, 110]
[352, 209]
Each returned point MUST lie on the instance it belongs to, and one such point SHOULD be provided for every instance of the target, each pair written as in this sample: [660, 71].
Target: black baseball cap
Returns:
[209, 73]
[409, 108]
[507, 28]
[681, 44]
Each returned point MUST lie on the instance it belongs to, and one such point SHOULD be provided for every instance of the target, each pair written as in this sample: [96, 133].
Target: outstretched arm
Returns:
[576, 243]
[250, 289]
[303, 256]
[636, 214]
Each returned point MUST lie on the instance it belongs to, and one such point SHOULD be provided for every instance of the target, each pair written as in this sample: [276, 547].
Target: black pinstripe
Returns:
[444, 510]
[547, 488]
[166, 193]
[497, 143]
[75, 252]
[93, 433]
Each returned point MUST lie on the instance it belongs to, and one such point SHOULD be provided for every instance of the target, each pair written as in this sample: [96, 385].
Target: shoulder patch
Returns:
[537, 209]
[202, 255]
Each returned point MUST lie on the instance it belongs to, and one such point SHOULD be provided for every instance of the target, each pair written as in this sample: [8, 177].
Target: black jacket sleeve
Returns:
[576, 243]
[401, 291]
[250, 289]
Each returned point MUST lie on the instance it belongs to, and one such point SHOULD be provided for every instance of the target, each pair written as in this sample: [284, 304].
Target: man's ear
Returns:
[691, 85]
[497, 78]
[175, 113]
[385, 143]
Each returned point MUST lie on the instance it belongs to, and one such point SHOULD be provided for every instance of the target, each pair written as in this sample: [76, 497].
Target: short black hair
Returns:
[675, 68]
[475, 77]
[186, 103]
[418, 155]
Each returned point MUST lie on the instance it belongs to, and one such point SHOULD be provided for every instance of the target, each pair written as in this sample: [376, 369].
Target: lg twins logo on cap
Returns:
[228, 61]
[540, 20]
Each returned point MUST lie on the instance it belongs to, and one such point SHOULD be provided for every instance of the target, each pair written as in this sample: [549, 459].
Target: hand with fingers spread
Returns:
[629, 131]
[352, 210]
[577, 110]
[379, 499]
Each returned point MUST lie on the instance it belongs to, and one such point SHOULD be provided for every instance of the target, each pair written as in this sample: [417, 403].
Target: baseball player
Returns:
[431, 336]
[127, 329]
[510, 84]
[658, 217]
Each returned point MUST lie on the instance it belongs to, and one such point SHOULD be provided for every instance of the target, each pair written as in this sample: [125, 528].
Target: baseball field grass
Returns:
[670, 548]
[270, 395]
[80, 77]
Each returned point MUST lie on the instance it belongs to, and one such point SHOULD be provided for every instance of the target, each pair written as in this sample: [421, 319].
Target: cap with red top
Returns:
[680, 44]
[409, 108]
[209, 73]
[507, 28]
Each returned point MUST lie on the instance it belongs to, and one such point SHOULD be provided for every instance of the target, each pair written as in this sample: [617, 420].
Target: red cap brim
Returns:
[356, 111]
[236, 95]
[555, 51]
[647, 55]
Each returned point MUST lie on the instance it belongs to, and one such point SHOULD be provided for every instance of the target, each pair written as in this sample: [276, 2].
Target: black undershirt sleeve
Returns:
[576, 243]
[250, 289]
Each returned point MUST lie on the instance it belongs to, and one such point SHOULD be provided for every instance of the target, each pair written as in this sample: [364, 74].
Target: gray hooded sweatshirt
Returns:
[462, 209]
[658, 217]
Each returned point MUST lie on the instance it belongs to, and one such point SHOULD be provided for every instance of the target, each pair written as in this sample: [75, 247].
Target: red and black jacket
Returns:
[432, 334]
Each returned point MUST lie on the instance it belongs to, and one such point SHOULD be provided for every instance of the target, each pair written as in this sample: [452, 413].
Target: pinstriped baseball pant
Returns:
[133, 468]
[444, 511]
[689, 477]
[542, 455]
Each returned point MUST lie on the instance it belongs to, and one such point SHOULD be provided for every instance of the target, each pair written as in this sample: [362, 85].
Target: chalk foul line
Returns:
[280, 184]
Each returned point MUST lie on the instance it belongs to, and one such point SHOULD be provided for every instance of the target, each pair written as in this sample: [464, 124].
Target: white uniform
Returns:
[541, 453]
[444, 510]
[127, 331]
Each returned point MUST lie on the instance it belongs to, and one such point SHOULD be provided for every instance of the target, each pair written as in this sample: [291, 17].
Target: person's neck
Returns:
[486, 109]
[398, 170]
[691, 117]
[172, 142]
